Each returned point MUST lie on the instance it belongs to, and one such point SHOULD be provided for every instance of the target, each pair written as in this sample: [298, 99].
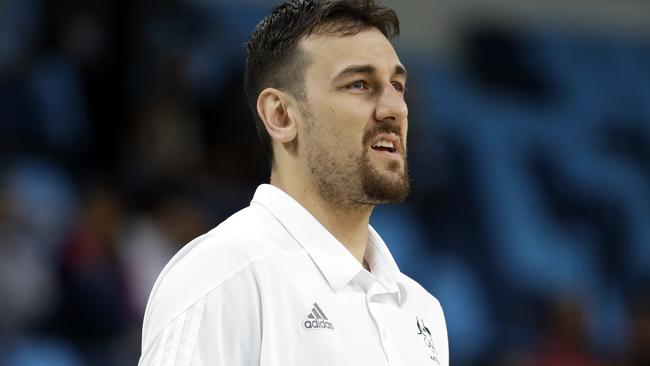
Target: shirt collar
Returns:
[334, 261]
[383, 264]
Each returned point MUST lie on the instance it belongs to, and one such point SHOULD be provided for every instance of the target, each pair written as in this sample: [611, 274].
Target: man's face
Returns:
[355, 125]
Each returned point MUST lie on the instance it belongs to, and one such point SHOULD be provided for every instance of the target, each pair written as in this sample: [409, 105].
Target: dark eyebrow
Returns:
[400, 70]
[367, 69]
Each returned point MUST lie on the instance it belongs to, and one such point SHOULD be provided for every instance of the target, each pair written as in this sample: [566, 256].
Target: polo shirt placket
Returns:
[376, 297]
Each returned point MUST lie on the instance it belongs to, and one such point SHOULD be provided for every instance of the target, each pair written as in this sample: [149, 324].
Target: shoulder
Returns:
[223, 254]
[245, 237]
[419, 294]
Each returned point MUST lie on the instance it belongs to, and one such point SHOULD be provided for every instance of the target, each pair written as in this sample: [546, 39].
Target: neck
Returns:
[347, 223]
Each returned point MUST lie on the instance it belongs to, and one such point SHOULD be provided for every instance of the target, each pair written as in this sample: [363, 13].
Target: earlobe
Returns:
[273, 109]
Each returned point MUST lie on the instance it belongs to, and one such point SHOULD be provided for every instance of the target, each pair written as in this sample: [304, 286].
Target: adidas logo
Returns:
[317, 319]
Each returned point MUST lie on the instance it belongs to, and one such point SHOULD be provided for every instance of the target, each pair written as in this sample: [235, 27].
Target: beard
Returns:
[357, 181]
[378, 188]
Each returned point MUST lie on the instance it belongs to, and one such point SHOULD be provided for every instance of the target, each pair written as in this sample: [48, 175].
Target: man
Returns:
[299, 277]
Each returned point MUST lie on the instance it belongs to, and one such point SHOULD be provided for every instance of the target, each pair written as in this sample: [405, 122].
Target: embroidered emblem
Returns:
[428, 340]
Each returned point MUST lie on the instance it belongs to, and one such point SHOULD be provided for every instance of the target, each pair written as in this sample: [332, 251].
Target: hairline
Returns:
[304, 59]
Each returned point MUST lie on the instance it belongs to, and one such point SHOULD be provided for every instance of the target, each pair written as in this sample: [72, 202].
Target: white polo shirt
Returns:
[271, 286]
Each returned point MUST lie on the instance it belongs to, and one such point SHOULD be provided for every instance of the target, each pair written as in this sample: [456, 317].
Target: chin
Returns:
[385, 182]
[389, 187]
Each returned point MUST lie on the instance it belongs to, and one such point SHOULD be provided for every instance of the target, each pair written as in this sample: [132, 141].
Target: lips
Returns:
[384, 145]
[387, 142]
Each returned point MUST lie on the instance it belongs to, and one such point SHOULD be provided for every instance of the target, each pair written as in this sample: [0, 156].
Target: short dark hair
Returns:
[273, 58]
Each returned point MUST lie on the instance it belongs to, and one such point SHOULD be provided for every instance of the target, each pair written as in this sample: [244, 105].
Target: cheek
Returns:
[345, 143]
[341, 123]
[406, 129]
[343, 131]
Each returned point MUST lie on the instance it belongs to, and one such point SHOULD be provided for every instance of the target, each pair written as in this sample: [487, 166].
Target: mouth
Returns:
[387, 144]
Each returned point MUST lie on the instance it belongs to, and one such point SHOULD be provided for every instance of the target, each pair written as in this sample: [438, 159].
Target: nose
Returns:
[391, 105]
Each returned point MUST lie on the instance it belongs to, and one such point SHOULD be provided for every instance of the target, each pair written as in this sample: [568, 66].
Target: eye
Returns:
[359, 84]
[398, 86]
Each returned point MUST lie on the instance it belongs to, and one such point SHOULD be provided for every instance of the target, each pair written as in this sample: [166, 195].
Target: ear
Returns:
[275, 109]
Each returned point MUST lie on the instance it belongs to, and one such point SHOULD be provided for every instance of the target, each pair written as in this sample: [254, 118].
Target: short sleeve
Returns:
[176, 342]
[223, 328]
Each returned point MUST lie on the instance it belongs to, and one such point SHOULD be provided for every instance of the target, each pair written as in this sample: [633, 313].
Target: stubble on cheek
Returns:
[335, 179]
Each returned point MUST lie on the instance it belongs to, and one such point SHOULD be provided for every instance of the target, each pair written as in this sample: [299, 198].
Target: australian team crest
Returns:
[428, 340]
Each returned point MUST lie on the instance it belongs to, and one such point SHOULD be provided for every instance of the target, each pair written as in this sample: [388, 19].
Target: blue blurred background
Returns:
[124, 133]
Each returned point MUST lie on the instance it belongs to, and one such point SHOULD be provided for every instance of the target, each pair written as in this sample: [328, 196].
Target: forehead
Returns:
[331, 53]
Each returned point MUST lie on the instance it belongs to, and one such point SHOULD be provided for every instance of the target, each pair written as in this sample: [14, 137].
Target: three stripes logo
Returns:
[317, 319]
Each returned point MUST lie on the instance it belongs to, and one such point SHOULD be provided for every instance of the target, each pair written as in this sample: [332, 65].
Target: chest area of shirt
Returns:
[307, 320]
